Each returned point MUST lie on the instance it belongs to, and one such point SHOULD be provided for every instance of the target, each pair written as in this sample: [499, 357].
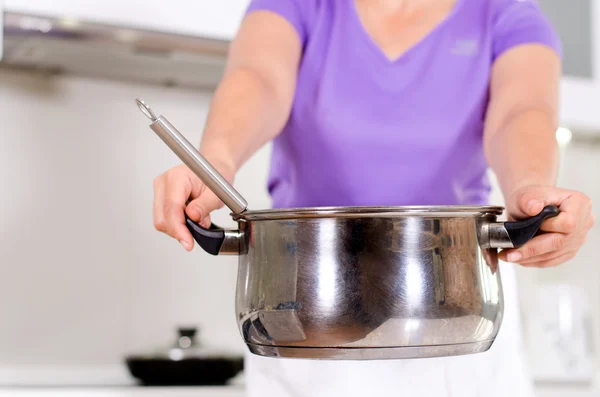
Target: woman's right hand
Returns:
[249, 108]
[178, 190]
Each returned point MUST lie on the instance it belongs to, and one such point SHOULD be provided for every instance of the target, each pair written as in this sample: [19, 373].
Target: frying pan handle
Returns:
[214, 240]
[516, 234]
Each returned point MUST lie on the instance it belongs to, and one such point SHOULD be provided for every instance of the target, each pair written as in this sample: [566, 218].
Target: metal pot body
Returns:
[359, 283]
[371, 287]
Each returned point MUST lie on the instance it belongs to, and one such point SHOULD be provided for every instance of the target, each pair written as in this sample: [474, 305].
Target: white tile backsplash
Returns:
[84, 276]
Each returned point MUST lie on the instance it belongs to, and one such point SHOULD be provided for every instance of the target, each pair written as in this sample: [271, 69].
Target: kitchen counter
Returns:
[213, 391]
[110, 381]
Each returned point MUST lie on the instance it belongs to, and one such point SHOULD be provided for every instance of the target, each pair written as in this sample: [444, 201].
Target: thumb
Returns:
[200, 208]
[529, 202]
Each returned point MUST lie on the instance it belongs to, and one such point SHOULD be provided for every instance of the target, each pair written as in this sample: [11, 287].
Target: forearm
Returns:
[245, 114]
[523, 151]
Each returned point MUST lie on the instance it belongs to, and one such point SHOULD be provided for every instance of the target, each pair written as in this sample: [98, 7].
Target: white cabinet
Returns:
[577, 23]
[580, 105]
[210, 18]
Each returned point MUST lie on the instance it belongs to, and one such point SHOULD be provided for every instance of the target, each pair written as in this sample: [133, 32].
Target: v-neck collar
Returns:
[370, 41]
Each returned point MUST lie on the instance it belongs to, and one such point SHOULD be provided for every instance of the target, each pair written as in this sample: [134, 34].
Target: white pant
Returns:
[499, 372]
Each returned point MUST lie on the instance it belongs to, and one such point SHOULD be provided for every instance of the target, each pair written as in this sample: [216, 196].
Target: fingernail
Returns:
[514, 257]
[534, 204]
[185, 244]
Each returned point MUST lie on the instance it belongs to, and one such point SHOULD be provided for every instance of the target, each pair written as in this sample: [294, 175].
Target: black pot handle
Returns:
[211, 240]
[520, 232]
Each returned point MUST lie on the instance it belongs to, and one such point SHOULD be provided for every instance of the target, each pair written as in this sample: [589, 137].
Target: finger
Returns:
[158, 205]
[564, 223]
[546, 257]
[200, 208]
[161, 215]
[555, 261]
[176, 195]
[206, 222]
[575, 212]
[539, 245]
[573, 246]
[531, 202]
[176, 226]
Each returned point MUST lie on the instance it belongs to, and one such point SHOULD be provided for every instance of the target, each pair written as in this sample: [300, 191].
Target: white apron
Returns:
[499, 372]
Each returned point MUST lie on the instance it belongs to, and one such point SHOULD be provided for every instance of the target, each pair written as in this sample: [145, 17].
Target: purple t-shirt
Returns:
[365, 130]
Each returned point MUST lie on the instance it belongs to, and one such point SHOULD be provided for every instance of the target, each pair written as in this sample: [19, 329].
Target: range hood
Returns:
[112, 52]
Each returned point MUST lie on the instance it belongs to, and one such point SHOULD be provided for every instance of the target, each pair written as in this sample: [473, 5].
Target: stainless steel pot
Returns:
[360, 282]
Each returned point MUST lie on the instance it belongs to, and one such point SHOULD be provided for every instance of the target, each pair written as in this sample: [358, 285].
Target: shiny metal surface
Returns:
[496, 236]
[234, 243]
[324, 212]
[194, 160]
[387, 353]
[121, 52]
[372, 287]
[144, 108]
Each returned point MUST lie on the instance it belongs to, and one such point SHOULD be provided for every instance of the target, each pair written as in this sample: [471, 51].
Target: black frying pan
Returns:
[184, 365]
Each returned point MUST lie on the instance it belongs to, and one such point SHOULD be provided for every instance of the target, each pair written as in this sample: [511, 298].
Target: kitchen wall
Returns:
[565, 367]
[84, 277]
[571, 361]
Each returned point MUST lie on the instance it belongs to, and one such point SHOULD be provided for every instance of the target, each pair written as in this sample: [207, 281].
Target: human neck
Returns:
[407, 5]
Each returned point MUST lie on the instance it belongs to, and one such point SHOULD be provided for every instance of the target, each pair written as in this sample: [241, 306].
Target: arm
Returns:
[520, 145]
[254, 99]
[522, 118]
[250, 107]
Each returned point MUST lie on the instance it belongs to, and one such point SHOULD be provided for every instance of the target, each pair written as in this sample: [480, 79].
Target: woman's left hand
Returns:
[565, 233]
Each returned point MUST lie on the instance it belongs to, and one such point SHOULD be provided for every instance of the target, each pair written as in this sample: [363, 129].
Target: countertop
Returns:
[219, 391]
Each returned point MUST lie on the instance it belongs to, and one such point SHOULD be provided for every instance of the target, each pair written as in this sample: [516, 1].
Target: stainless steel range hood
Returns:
[112, 52]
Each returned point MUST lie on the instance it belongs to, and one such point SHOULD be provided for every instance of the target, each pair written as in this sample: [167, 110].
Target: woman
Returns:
[392, 102]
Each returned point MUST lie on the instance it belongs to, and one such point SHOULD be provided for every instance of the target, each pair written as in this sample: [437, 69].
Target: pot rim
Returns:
[369, 211]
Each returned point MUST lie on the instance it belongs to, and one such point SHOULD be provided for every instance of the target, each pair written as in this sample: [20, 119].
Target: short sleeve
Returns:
[294, 11]
[517, 22]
